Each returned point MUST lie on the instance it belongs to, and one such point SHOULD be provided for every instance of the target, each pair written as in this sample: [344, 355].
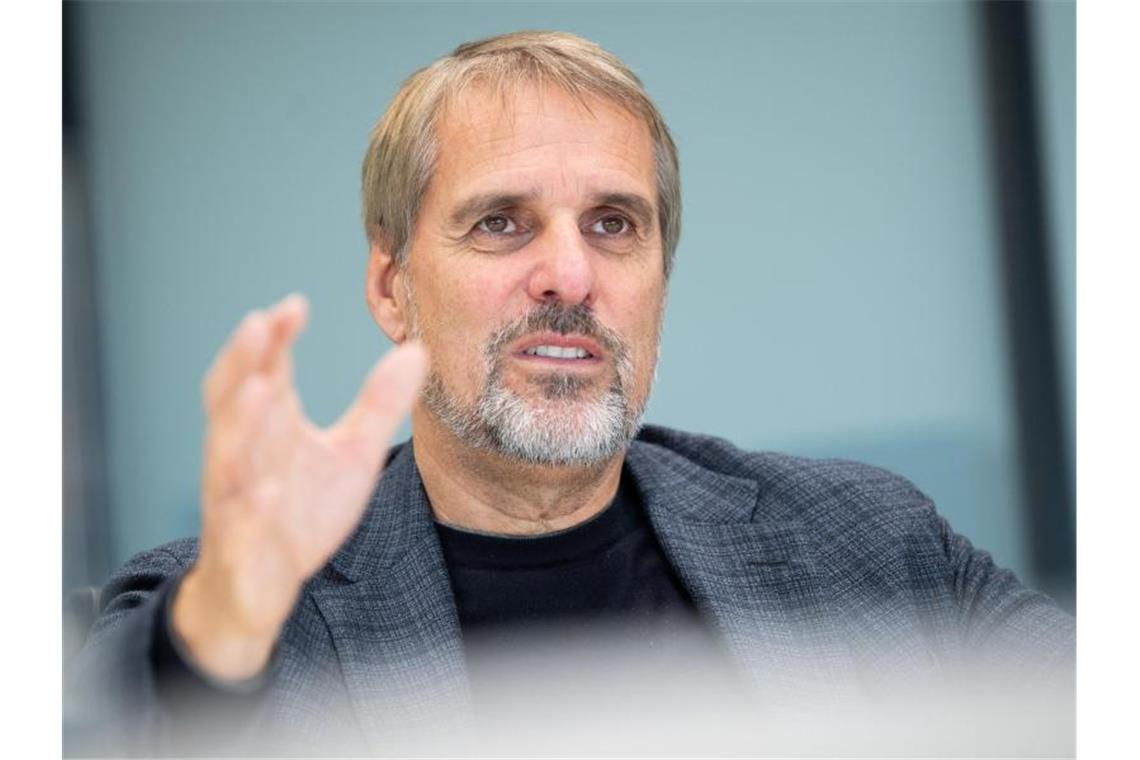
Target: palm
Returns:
[280, 495]
[329, 478]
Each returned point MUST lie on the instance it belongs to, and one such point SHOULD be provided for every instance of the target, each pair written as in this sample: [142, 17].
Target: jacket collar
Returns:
[397, 519]
[676, 488]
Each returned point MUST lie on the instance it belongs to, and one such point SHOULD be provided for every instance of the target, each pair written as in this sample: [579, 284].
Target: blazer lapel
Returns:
[392, 616]
[755, 576]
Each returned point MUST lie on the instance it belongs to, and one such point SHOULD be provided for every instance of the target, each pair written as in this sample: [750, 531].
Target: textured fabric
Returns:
[816, 575]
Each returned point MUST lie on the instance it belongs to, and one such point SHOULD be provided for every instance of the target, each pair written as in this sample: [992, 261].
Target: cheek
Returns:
[467, 309]
[475, 306]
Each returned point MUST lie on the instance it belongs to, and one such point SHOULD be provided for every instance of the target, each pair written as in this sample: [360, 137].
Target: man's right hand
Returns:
[279, 495]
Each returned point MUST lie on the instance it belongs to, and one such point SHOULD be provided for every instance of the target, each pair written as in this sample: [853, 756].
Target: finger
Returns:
[291, 315]
[237, 358]
[384, 400]
[227, 457]
[233, 455]
[257, 343]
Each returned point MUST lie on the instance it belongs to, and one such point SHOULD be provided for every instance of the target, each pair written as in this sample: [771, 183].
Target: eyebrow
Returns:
[636, 205]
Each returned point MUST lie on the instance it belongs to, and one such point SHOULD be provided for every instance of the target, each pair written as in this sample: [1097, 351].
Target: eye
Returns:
[497, 224]
[611, 225]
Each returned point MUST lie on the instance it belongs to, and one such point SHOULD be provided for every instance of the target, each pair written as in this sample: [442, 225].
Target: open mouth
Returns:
[566, 350]
[559, 352]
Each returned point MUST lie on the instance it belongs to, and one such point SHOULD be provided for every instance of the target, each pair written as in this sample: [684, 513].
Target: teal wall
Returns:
[836, 291]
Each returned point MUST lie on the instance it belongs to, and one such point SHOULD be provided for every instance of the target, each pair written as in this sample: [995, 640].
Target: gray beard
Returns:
[560, 427]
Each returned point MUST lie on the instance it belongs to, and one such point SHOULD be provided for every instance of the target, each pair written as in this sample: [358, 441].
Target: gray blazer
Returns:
[811, 572]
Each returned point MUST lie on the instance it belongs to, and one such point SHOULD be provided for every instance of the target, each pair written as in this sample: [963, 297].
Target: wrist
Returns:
[218, 641]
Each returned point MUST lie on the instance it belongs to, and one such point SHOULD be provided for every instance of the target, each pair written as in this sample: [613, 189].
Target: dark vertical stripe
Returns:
[1019, 190]
[86, 514]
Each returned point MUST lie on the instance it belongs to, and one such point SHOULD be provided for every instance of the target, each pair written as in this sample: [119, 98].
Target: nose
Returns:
[564, 270]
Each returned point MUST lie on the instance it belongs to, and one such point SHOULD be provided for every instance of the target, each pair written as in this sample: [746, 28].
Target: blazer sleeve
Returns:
[130, 691]
[1003, 621]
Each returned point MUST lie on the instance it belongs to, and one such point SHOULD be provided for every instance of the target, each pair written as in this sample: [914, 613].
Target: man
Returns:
[522, 205]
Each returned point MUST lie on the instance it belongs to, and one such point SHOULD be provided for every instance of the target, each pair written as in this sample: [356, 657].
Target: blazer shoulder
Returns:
[802, 488]
[173, 555]
[145, 572]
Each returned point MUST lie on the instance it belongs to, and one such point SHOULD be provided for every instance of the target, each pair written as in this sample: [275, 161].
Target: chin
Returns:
[558, 432]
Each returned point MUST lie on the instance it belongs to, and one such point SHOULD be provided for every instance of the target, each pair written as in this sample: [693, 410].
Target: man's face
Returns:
[535, 275]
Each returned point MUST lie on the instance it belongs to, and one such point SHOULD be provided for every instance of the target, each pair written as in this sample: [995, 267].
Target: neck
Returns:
[481, 490]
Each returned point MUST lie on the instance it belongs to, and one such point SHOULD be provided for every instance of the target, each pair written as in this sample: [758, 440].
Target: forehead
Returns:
[543, 140]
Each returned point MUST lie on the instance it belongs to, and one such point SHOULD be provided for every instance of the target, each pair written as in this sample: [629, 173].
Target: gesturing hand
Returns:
[279, 495]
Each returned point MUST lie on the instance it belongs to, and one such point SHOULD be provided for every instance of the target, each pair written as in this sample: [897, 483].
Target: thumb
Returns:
[384, 400]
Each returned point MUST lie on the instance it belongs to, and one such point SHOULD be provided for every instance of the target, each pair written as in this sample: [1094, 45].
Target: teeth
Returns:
[558, 352]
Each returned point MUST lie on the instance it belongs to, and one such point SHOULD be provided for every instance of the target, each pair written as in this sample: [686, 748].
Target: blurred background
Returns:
[877, 260]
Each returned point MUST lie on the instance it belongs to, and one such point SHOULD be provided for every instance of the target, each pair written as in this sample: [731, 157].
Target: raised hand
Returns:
[279, 495]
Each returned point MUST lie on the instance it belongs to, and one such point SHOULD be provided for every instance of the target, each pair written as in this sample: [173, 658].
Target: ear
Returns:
[381, 286]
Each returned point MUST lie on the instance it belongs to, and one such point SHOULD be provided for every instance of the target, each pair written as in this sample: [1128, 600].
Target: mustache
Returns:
[553, 316]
